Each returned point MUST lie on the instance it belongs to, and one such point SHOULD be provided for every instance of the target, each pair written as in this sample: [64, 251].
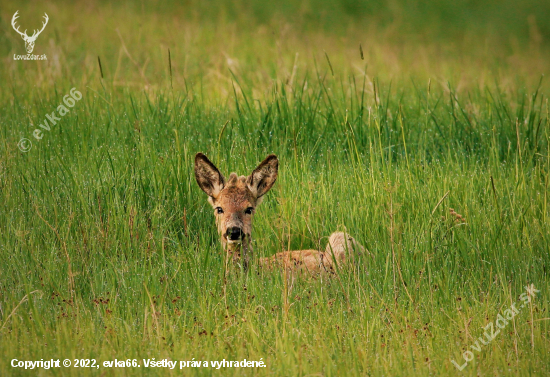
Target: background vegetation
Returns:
[385, 115]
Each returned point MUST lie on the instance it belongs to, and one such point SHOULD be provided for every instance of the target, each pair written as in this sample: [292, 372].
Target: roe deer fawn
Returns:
[235, 201]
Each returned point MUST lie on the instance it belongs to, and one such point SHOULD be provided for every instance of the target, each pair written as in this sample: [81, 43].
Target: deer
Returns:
[235, 201]
[29, 41]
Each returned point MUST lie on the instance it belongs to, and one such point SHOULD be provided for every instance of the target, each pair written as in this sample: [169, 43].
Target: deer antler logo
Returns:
[29, 41]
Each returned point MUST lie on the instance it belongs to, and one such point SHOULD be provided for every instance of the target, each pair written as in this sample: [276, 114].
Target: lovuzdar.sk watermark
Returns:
[30, 57]
[29, 40]
[491, 331]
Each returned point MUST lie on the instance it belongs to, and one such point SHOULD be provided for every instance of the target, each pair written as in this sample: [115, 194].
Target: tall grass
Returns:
[108, 248]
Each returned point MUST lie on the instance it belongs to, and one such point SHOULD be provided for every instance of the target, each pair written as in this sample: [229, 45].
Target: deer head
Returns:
[235, 201]
[29, 41]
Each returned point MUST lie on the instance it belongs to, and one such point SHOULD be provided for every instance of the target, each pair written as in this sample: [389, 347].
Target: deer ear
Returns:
[209, 178]
[264, 176]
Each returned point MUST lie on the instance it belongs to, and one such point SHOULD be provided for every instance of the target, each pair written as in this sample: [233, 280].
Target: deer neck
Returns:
[239, 252]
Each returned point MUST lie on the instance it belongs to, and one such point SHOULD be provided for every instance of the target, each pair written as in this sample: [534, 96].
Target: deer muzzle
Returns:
[234, 234]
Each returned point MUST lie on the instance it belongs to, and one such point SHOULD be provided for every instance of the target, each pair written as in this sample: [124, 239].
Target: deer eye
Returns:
[249, 210]
[219, 210]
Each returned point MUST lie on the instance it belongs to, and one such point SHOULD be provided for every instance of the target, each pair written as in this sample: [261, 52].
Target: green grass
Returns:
[108, 248]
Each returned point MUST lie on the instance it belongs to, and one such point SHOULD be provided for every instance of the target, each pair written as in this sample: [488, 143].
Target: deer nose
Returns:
[234, 233]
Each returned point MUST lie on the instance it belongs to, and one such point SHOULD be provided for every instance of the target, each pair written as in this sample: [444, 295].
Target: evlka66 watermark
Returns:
[492, 330]
[134, 363]
[69, 101]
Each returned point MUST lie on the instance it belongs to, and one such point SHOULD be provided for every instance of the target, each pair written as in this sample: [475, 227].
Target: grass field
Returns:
[388, 118]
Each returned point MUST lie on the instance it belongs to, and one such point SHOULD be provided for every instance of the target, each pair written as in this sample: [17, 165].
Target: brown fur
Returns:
[313, 261]
[235, 201]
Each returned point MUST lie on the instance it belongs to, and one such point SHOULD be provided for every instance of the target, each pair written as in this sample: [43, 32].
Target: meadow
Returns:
[421, 129]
